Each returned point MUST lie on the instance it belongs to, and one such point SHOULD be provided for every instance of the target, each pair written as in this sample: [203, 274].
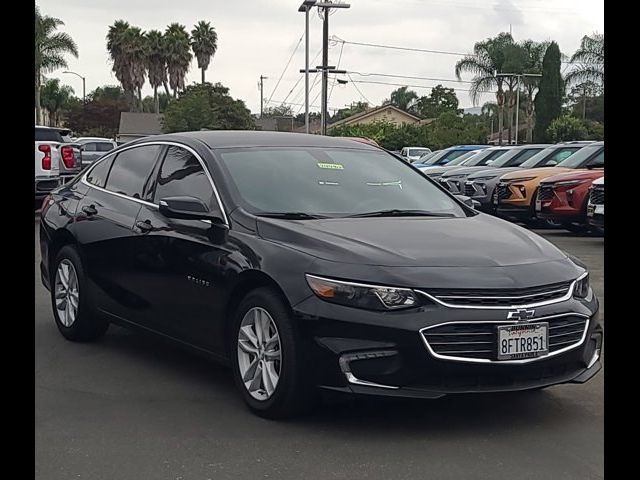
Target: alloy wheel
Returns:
[67, 293]
[259, 353]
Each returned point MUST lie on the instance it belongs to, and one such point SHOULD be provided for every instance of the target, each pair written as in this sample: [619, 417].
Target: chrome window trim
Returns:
[506, 362]
[144, 202]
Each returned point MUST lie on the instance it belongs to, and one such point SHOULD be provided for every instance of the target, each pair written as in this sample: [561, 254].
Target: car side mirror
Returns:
[187, 208]
[468, 201]
[489, 162]
[552, 163]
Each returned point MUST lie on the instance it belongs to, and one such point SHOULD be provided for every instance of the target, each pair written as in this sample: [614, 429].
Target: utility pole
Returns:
[326, 69]
[305, 7]
[584, 102]
[262, 78]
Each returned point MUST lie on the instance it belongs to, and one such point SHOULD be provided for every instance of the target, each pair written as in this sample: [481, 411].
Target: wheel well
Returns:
[59, 240]
[248, 280]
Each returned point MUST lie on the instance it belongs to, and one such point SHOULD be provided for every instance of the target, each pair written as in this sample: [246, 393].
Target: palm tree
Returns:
[50, 49]
[485, 64]
[135, 47]
[590, 61]
[533, 64]
[204, 42]
[117, 46]
[156, 64]
[178, 55]
[403, 98]
[54, 98]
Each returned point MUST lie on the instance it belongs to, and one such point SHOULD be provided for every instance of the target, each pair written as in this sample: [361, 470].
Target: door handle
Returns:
[145, 226]
[89, 210]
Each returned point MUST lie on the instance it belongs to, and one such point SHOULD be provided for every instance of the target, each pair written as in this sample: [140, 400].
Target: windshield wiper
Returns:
[400, 213]
[290, 215]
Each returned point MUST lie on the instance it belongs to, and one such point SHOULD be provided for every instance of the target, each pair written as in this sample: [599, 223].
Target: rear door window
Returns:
[131, 170]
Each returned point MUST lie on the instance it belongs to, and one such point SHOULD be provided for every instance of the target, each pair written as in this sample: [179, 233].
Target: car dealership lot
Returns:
[130, 406]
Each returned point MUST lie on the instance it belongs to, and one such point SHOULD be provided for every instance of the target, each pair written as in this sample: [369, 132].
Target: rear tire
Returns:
[261, 359]
[74, 315]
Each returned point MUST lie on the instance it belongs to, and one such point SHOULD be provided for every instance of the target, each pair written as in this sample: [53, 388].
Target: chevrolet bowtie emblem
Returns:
[521, 314]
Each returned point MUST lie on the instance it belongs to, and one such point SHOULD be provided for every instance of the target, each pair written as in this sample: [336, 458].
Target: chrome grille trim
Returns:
[446, 301]
[446, 355]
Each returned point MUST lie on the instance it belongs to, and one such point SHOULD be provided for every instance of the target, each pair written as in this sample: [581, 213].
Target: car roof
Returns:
[259, 138]
[102, 139]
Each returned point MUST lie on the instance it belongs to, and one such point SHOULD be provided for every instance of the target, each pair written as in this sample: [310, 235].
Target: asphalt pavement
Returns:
[132, 407]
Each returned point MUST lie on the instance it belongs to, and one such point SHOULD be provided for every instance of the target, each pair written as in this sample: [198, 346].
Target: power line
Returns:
[337, 39]
[286, 66]
[279, 102]
[357, 89]
[413, 86]
[301, 77]
[337, 67]
[410, 77]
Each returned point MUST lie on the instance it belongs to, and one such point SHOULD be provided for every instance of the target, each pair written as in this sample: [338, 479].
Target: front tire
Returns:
[72, 311]
[269, 365]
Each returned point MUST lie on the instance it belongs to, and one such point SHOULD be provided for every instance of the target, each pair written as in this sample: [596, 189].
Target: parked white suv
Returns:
[413, 154]
[94, 147]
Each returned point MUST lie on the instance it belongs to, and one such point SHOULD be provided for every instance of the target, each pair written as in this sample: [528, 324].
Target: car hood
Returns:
[536, 173]
[498, 172]
[576, 175]
[439, 170]
[478, 241]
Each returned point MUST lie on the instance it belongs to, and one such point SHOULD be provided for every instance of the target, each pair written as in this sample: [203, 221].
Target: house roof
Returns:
[135, 123]
[363, 115]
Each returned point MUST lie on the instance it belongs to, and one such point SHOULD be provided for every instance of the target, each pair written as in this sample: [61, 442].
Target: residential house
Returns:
[385, 113]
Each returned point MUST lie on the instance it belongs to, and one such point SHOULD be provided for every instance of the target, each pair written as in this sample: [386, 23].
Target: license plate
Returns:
[522, 341]
[495, 197]
[538, 205]
[590, 210]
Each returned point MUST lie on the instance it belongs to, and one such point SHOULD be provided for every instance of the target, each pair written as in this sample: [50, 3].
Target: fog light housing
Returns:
[347, 358]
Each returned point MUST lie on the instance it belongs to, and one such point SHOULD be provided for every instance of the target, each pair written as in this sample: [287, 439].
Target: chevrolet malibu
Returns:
[306, 262]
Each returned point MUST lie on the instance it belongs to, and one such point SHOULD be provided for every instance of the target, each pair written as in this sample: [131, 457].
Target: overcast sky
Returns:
[257, 37]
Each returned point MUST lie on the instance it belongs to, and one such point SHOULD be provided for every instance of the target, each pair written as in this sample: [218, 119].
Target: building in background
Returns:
[134, 125]
[384, 113]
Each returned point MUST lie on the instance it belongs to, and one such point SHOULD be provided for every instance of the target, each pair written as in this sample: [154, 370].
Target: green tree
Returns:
[161, 101]
[50, 50]
[488, 60]
[178, 50]
[204, 43]
[100, 117]
[588, 60]
[440, 100]
[451, 129]
[136, 51]
[209, 107]
[403, 98]
[548, 101]
[354, 108]
[117, 38]
[156, 65]
[55, 98]
[586, 101]
[566, 128]
[533, 64]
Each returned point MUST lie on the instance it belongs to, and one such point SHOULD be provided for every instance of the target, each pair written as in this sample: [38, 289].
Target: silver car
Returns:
[94, 147]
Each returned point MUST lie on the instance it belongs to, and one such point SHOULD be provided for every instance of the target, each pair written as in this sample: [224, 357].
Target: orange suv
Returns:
[516, 192]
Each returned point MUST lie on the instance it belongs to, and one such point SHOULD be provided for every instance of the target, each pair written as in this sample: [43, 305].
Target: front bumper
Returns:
[384, 353]
[515, 212]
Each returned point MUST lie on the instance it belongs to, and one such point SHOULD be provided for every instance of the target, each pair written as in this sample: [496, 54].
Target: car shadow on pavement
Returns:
[200, 378]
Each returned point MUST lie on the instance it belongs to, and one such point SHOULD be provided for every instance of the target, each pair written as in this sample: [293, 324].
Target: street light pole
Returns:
[262, 79]
[84, 86]
[518, 77]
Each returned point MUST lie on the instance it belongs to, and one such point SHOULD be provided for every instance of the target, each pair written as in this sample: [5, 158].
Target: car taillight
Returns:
[67, 156]
[46, 160]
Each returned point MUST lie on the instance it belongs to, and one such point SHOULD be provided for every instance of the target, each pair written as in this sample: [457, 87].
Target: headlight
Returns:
[370, 297]
[568, 183]
[581, 290]
[516, 180]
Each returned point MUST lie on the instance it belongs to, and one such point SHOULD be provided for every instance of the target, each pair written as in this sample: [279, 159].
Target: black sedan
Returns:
[309, 262]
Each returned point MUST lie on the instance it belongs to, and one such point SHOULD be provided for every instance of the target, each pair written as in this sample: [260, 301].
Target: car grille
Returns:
[479, 340]
[501, 297]
[545, 192]
[469, 190]
[597, 195]
[503, 191]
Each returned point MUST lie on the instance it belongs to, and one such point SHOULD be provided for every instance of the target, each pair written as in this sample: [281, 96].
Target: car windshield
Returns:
[414, 152]
[425, 159]
[549, 155]
[581, 156]
[333, 182]
[481, 159]
[463, 158]
[520, 154]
